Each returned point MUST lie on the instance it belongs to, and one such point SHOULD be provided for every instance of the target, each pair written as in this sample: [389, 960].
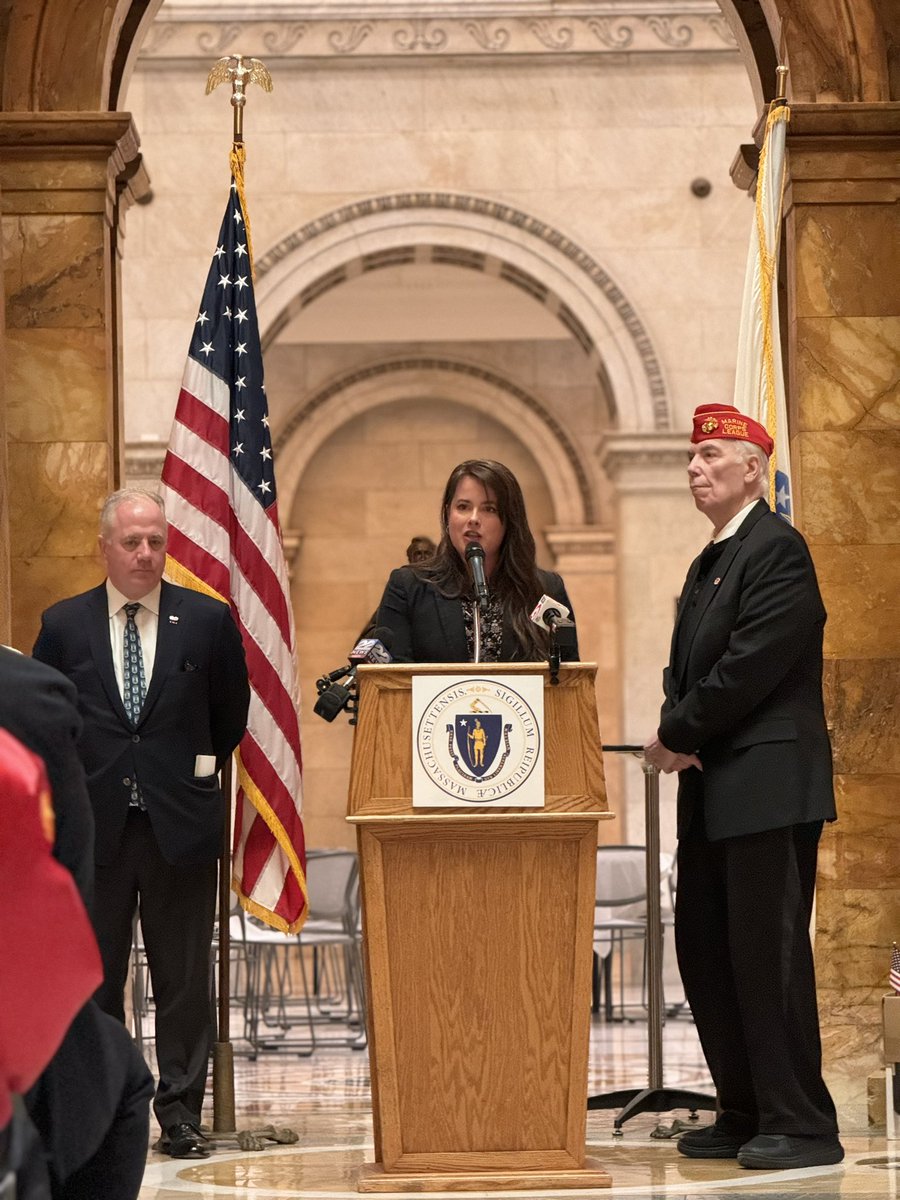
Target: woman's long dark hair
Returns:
[515, 580]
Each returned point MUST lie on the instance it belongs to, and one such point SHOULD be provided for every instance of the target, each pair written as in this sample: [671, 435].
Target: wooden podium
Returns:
[478, 927]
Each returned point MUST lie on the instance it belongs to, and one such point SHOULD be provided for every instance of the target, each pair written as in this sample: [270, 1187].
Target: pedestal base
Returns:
[374, 1178]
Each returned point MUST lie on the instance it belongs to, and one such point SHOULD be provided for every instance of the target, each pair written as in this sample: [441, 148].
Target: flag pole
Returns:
[224, 1117]
[238, 71]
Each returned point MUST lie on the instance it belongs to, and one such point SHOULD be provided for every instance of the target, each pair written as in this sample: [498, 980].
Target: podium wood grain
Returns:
[478, 932]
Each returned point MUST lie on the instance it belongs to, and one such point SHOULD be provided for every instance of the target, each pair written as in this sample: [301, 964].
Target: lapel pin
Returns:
[173, 620]
[716, 582]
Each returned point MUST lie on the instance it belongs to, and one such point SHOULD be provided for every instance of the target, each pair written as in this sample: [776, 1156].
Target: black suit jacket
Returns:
[196, 703]
[746, 692]
[39, 706]
[429, 627]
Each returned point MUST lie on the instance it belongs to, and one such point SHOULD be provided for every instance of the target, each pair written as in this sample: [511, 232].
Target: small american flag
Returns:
[895, 967]
[225, 539]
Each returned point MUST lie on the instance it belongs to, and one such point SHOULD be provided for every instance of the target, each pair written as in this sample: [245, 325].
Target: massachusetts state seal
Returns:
[478, 740]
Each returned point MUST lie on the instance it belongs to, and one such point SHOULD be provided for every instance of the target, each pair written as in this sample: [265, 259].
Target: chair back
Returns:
[332, 884]
[621, 876]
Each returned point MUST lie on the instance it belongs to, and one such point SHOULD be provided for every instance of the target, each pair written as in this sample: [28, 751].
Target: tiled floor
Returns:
[325, 1100]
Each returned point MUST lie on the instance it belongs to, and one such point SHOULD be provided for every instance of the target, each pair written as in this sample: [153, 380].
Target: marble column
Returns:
[658, 533]
[843, 246]
[65, 179]
[585, 556]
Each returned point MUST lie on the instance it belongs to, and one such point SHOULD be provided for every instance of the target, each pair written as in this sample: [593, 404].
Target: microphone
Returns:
[334, 697]
[374, 649]
[475, 559]
[551, 614]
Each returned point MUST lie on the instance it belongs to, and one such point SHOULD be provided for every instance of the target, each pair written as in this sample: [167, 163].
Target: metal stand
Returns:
[655, 1097]
[554, 656]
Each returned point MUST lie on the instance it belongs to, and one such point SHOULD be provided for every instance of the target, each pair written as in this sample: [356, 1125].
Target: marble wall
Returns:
[61, 207]
[845, 342]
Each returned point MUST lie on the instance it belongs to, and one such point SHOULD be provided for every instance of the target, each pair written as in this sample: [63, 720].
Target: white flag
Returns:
[759, 380]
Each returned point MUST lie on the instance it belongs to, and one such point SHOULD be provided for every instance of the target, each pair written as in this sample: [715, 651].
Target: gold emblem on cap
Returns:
[709, 425]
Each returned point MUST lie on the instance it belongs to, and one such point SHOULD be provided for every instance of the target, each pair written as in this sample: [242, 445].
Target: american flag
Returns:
[224, 539]
[895, 967]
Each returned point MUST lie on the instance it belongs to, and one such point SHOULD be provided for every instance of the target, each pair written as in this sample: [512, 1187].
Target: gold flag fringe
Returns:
[237, 158]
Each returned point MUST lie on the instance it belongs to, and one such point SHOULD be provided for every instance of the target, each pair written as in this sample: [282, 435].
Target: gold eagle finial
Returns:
[240, 70]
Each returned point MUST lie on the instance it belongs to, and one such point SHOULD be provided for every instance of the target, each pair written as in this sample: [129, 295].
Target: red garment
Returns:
[49, 961]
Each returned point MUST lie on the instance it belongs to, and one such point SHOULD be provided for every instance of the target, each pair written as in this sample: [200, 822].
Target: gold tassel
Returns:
[238, 157]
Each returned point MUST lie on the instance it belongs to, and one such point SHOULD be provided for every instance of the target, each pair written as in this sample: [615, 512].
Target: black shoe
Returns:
[710, 1142]
[184, 1141]
[777, 1152]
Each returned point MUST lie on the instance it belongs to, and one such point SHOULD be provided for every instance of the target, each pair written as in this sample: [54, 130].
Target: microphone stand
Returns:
[554, 655]
[476, 619]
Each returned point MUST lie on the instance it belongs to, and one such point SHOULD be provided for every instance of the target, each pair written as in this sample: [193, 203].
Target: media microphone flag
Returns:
[475, 559]
[549, 613]
[374, 649]
[334, 697]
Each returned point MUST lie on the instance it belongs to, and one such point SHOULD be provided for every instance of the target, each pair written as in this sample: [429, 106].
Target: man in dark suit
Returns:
[91, 1103]
[743, 723]
[163, 695]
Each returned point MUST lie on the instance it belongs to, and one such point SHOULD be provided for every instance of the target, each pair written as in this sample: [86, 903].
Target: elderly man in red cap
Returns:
[743, 723]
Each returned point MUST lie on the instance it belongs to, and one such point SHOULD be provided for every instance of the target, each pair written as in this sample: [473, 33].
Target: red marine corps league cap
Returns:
[725, 421]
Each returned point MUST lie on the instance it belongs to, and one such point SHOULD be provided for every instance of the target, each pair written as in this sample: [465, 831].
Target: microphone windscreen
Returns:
[474, 550]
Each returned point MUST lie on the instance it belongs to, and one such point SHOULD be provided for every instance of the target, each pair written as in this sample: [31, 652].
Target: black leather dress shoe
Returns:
[710, 1142]
[778, 1152]
[184, 1141]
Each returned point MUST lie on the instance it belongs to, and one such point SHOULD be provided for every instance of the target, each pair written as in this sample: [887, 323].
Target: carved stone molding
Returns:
[291, 540]
[479, 206]
[88, 159]
[393, 368]
[304, 31]
[585, 548]
[144, 463]
[647, 462]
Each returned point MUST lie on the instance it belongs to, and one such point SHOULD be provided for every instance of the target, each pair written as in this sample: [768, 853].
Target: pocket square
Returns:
[187, 665]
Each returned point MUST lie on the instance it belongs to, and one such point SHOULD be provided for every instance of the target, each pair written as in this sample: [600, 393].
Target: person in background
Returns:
[163, 694]
[743, 723]
[420, 549]
[429, 605]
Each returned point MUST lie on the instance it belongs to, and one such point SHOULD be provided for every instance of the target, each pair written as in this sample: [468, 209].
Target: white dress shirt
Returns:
[731, 527]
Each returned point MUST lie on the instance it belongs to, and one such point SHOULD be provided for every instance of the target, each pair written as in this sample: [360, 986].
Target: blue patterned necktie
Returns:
[134, 689]
[133, 686]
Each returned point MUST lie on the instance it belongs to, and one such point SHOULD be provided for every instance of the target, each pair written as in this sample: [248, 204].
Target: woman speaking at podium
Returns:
[472, 600]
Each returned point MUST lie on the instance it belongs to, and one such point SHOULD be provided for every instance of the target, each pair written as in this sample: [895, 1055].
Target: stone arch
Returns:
[839, 51]
[481, 234]
[56, 56]
[445, 380]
